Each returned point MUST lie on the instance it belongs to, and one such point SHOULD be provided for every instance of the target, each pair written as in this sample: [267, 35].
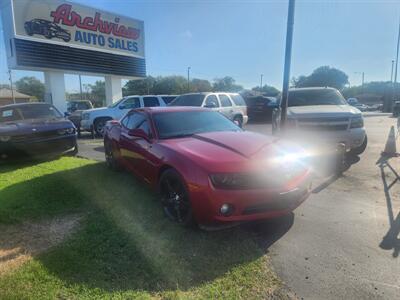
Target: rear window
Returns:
[225, 101]
[238, 100]
[188, 100]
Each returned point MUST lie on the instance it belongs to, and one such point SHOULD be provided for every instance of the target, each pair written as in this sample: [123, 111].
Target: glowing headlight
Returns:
[5, 138]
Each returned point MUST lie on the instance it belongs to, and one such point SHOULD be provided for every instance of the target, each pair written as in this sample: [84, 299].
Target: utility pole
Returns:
[288, 56]
[395, 71]
[362, 83]
[188, 79]
[261, 83]
[11, 84]
[391, 73]
[80, 85]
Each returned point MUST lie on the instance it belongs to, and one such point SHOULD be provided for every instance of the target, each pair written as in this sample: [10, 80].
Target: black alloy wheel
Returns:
[175, 199]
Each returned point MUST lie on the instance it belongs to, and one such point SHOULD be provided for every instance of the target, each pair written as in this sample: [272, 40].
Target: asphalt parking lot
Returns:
[343, 241]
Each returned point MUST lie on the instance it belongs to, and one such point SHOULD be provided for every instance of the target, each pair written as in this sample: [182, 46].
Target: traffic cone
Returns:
[390, 147]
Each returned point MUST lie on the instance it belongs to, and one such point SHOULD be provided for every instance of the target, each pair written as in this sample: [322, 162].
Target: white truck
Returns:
[95, 119]
[321, 114]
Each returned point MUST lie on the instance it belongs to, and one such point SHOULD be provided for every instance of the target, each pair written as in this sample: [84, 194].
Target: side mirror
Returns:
[137, 132]
[122, 106]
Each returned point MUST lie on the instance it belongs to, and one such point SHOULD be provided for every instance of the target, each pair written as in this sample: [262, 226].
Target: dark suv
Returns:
[46, 28]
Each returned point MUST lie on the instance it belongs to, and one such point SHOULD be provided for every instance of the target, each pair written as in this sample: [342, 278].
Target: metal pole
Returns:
[395, 71]
[80, 85]
[261, 83]
[362, 83]
[288, 55]
[188, 79]
[391, 73]
[11, 83]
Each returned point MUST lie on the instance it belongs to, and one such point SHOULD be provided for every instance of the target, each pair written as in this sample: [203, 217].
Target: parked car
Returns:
[260, 107]
[354, 102]
[230, 105]
[95, 119]
[75, 109]
[396, 109]
[208, 171]
[35, 129]
[322, 114]
[46, 28]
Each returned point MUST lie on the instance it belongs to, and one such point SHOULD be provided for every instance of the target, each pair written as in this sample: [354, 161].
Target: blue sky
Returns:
[244, 39]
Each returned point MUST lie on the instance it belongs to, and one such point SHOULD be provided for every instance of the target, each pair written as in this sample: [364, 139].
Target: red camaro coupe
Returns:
[208, 170]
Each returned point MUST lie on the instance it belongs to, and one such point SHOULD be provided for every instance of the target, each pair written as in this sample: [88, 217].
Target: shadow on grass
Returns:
[125, 242]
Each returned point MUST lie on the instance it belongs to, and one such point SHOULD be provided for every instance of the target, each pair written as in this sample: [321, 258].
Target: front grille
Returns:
[34, 136]
[323, 124]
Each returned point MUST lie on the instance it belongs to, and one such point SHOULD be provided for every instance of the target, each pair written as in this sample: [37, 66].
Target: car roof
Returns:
[24, 104]
[208, 93]
[312, 88]
[167, 109]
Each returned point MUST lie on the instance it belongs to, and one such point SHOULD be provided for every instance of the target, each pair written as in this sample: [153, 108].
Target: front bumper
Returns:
[38, 147]
[249, 205]
[351, 138]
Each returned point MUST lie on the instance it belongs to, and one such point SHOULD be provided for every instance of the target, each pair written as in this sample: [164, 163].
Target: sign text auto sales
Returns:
[124, 37]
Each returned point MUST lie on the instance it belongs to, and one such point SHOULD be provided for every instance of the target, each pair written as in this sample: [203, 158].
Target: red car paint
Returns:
[196, 157]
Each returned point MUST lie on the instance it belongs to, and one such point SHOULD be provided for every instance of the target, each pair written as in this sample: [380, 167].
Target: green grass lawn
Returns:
[124, 247]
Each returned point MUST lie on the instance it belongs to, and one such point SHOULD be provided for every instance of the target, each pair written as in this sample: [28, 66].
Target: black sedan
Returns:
[35, 129]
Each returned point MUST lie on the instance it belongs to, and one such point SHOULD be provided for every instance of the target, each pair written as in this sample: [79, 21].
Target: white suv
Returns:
[230, 105]
[95, 119]
[322, 115]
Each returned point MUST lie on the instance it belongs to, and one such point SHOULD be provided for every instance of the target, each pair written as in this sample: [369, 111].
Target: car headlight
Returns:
[232, 180]
[64, 131]
[85, 116]
[357, 122]
[5, 138]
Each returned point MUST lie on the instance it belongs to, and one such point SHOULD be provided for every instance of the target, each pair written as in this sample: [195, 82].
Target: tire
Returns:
[359, 150]
[175, 198]
[111, 155]
[66, 39]
[99, 125]
[28, 30]
[47, 33]
[238, 120]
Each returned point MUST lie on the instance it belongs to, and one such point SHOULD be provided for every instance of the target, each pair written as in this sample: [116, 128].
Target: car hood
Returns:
[322, 111]
[96, 111]
[29, 126]
[226, 151]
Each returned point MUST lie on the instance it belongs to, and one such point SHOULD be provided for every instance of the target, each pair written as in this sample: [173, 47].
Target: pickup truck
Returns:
[321, 114]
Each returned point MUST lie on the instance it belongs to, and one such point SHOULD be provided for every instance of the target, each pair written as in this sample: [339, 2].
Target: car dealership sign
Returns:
[75, 25]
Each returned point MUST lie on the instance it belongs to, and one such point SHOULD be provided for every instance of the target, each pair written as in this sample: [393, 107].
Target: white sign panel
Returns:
[75, 25]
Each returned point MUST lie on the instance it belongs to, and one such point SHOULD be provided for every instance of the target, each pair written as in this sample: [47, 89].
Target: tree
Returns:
[323, 76]
[267, 90]
[139, 87]
[170, 85]
[97, 93]
[31, 86]
[200, 85]
[226, 84]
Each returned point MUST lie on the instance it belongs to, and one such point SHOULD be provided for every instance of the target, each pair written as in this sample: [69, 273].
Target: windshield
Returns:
[195, 122]
[315, 97]
[25, 112]
[116, 103]
[188, 100]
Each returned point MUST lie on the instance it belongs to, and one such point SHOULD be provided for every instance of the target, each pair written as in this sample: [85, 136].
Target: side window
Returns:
[168, 99]
[150, 101]
[211, 101]
[133, 120]
[238, 100]
[225, 101]
[146, 128]
[132, 102]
